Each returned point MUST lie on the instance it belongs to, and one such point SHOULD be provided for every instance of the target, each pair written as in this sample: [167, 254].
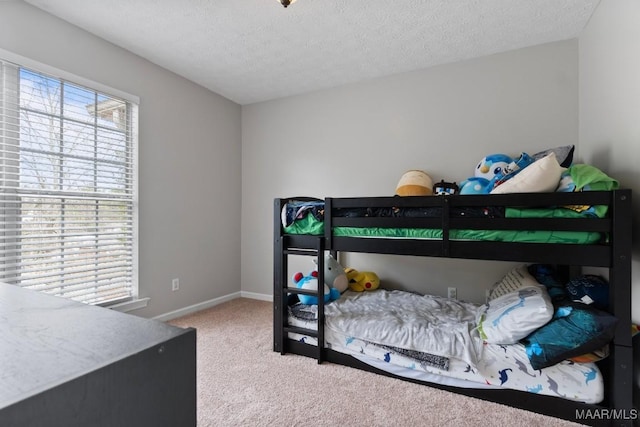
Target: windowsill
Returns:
[130, 305]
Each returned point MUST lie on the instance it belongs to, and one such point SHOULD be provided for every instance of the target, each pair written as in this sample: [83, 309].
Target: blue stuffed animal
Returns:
[492, 165]
[310, 283]
[487, 172]
[475, 185]
[514, 168]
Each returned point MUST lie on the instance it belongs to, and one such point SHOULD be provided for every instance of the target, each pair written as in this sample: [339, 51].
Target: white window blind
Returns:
[67, 188]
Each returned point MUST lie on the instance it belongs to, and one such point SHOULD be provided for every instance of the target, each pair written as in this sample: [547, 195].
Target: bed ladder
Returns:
[285, 245]
[285, 292]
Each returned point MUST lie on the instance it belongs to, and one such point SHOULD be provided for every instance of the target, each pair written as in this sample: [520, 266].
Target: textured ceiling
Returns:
[256, 50]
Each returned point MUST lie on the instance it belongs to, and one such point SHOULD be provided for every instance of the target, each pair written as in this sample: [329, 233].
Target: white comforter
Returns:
[430, 324]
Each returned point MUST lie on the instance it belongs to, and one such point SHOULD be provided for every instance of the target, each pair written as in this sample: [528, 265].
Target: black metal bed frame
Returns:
[614, 254]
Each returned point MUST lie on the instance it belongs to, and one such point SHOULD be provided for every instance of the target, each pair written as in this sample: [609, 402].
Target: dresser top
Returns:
[46, 341]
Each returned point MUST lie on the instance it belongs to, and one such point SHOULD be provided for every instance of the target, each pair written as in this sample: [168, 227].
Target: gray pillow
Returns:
[564, 155]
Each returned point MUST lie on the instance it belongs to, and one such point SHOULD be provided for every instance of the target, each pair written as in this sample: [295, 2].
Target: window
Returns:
[67, 188]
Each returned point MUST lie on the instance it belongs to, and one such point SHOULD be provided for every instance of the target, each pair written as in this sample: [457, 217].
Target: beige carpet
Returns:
[242, 382]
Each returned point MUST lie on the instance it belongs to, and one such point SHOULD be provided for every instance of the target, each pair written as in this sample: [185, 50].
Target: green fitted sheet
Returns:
[570, 237]
[307, 225]
[311, 226]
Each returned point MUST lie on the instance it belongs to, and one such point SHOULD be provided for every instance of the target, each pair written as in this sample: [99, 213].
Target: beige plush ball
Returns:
[415, 183]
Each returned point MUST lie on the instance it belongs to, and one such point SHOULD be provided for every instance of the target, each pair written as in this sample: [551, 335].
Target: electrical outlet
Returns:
[175, 284]
[452, 293]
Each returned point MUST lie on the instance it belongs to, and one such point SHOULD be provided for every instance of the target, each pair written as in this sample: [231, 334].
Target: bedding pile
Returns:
[410, 321]
[467, 345]
[307, 216]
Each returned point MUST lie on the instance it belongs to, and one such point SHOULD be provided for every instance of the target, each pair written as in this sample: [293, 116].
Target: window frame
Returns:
[132, 301]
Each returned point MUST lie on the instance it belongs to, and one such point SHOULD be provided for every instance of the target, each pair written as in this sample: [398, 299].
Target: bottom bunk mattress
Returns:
[474, 364]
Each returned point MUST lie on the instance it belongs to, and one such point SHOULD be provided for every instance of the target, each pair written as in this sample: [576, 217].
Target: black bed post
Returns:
[620, 384]
[328, 224]
[328, 240]
[320, 327]
[279, 269]
[620, 271]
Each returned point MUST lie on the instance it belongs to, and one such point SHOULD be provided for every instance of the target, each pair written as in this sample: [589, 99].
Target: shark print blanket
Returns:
[495, 366]
[424, 323]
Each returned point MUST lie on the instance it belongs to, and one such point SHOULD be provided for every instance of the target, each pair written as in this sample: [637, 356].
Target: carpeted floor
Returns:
[242, 382]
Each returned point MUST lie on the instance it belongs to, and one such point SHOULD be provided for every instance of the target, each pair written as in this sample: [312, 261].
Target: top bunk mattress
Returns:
[306, 217]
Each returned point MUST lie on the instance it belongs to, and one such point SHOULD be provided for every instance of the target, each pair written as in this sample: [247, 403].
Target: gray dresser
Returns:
[66, 364]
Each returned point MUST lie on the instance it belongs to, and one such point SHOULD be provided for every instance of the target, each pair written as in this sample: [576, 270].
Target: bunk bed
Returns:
[597, 241]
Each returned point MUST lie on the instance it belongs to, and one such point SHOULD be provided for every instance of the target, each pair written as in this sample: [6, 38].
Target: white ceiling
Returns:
[256, 50]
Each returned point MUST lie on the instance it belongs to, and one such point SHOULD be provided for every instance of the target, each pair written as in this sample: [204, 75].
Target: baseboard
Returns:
[196, 307]
[211, 303]
[128, 306]
[254, 295]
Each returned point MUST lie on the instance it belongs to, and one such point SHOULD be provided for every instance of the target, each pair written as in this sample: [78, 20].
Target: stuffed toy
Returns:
[512, 169]
[310, 283]
[475, 185]
[334, 275]
[360, 281]
[492, 165]
[487, 172]
[445, 188]
[414, 183]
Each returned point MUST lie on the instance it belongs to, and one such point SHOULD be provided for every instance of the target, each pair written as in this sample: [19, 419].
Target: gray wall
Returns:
[189, 166]
[358, 140]
[610, 104]
[442, 120]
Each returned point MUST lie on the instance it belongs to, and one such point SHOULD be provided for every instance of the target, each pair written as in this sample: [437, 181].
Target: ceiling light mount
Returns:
[286, 3]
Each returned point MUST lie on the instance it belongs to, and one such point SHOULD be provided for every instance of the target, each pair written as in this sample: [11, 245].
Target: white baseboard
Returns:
[128, 306]
[211, 303]
[196, 307]
[254, 295]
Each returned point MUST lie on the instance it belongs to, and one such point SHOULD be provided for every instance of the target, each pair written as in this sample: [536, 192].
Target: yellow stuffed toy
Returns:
[360, 281]
[415, 183]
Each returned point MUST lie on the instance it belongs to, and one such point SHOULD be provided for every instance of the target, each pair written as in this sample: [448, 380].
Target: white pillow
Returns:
[518, 305]
[541, 176]
[517, 278]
